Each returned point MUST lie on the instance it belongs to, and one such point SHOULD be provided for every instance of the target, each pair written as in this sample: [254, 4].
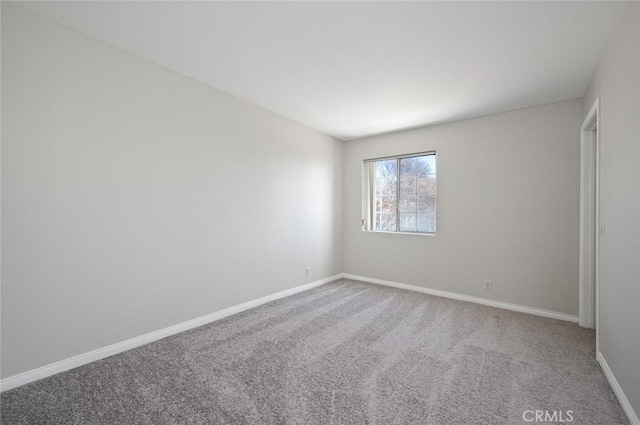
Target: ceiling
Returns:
[354, 69]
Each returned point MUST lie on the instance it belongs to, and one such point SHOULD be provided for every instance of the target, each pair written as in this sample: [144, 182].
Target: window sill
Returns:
[399, 233]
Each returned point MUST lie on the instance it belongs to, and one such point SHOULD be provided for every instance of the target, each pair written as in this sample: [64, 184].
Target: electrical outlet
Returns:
[488, 285]
[308, 271]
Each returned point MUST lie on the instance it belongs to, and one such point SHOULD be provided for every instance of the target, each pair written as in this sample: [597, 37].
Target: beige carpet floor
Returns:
[344, 353]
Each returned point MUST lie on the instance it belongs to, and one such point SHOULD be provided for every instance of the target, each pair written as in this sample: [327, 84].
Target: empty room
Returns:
[309, 212]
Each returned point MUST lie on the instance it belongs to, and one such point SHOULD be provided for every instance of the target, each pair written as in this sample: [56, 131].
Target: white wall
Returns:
[507, 209]
[617, 83]
[135, 198]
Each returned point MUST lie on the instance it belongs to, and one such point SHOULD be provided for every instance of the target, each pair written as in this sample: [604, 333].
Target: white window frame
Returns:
[368, 195]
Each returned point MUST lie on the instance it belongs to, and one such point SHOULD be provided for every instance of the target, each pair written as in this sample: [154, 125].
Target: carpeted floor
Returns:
[345, 352]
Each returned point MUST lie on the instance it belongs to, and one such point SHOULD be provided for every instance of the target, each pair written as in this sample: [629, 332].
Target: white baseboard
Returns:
[468, 298]
[622, 398]
[101, 353]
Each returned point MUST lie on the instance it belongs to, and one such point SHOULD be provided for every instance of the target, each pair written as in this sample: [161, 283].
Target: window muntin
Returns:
[400, 193]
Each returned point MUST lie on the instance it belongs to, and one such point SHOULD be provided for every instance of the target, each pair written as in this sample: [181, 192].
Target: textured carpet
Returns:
[345, 352]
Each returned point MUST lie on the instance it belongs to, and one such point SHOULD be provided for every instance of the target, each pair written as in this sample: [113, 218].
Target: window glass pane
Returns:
[386, 189]
[426, 184]
[407, 185]
[386, 203]
[426, 222]
[417, 194]
[418, 165]
[426, 203]
[387, 169]
[428, 164]
[387, 222]
[408, 222]
[386, 186]
[407, 203]
[422, 203]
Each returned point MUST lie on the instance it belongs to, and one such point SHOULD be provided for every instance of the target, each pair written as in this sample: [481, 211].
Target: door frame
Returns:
[590, 227]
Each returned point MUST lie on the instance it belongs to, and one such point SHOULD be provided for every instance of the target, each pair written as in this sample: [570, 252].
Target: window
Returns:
[400, 193]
